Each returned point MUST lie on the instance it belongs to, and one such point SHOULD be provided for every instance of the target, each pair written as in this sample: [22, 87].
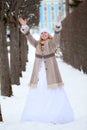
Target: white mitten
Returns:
[58, 24]
[58, 27]
[25, 29]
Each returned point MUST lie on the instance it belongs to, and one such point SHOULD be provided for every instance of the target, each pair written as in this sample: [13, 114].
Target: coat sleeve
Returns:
[56, 39]
[25, 30]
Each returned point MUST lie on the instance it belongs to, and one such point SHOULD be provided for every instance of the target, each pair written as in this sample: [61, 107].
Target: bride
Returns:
[46, 101]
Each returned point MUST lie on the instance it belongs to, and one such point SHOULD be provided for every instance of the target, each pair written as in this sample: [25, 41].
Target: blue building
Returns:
[49, 11]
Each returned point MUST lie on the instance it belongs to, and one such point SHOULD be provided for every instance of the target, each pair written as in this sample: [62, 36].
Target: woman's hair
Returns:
[41, 40]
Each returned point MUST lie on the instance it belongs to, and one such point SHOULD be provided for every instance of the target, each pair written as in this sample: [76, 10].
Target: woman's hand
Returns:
[22, 21]
[24, 27]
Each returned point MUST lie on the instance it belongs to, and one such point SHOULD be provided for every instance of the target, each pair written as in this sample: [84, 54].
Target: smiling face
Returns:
[44, 35]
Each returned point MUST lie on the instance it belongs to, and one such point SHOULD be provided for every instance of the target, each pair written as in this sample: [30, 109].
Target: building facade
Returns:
[49, 11]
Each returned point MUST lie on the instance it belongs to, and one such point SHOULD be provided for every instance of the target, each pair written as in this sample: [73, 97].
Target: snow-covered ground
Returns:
[75, 87]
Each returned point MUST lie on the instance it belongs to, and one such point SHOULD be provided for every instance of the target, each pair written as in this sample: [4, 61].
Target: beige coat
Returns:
[52, 71]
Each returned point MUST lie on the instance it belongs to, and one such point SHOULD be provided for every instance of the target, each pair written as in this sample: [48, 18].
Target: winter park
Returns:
[43, 65]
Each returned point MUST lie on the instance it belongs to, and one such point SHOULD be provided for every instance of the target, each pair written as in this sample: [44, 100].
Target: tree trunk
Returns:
[0, 60]
[23, 51]
[67, 7]
[14, 55]
[6, 89]
[0, 114]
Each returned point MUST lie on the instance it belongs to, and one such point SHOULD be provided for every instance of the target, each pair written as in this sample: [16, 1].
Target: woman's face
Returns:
[44, 35]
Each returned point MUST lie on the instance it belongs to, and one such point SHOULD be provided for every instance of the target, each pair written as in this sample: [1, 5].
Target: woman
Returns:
[47, 100]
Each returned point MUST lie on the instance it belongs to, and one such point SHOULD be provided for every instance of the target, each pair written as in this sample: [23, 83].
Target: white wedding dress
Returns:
[47, 105]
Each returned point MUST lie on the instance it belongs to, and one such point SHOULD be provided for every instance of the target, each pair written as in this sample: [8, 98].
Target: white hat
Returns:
[44, 30]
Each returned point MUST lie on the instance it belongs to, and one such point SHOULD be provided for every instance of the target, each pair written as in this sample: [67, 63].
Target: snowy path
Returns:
[75, 87]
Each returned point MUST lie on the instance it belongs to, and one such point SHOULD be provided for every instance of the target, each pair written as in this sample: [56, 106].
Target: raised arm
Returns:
[57, 29]
[26, 30]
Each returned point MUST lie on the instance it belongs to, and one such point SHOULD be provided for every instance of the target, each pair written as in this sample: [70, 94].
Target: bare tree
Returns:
[67, 7]
[10, 11]
[0, 114]
[73, 38]
[5, 76]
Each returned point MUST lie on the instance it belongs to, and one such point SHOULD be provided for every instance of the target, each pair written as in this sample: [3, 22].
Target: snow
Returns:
[75, 86]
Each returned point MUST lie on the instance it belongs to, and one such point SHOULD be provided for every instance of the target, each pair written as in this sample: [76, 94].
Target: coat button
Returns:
[44, 61]
[45, 68]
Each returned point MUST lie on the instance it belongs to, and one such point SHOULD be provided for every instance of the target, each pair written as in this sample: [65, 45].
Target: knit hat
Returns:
[44, 30]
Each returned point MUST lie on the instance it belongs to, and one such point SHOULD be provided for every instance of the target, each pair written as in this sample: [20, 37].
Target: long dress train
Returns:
[47, 105]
